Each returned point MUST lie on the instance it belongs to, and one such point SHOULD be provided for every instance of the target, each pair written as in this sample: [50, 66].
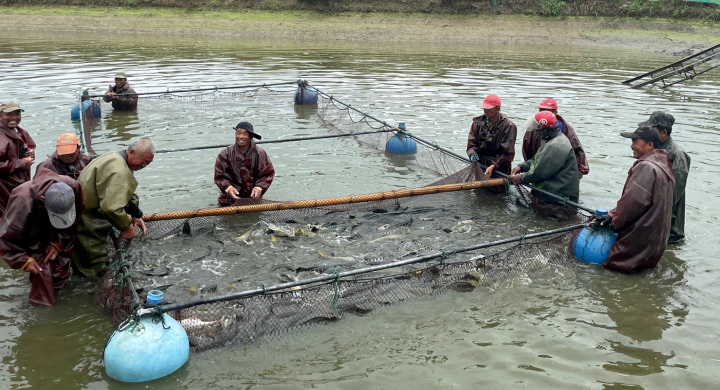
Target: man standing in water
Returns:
[491, 141]
[67, 159]
[662, 122]
[643, 213]
[17, 151]
[109, 187]
[531, 140]
[243, 170]
[121, 95]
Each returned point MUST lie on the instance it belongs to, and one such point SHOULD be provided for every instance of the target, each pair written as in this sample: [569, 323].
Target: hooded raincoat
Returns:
[681, 168]
[56, 165]
[122, 103]
[13, 145]
[643, 214]
[244, 171]
[531, 144]
[25, 231]
[108, 184]
[553, 169]
[493, 142]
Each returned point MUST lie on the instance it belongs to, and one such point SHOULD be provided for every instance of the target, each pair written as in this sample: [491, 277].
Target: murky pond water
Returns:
[573, 327]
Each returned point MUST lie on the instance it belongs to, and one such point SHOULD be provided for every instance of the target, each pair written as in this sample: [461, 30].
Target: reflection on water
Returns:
[560, 328]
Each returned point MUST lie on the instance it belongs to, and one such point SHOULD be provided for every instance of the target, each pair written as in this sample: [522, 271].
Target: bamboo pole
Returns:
[300, 204]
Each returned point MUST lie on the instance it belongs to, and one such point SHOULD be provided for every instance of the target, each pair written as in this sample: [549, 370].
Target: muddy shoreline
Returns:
[678, 39]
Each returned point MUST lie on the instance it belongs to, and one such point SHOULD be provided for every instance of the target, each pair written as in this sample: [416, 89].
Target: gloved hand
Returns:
[474, 157]
[133, 207]
[604, 220]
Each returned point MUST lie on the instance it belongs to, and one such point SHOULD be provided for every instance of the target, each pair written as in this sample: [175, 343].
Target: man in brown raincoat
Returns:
[121, 95]
[67, 159]
[17, 151]
[531, 140]
[491, 141]
[643, 213]
[37, 232]
[243, 170]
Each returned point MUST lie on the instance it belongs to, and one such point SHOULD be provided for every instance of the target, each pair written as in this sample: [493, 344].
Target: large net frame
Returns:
[269, 268]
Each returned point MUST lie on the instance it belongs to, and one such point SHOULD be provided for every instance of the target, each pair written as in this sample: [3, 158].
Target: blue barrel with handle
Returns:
[592, 244]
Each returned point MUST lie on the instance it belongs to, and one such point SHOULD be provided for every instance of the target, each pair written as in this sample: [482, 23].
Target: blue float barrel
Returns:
[78, 108]
[593, 243]
[305, 95]
[401, 143]
[146, 350]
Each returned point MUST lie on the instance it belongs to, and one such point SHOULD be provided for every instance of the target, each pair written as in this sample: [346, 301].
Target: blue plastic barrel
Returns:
[305, 95]
[401, 143]
[593, 243]
[147, 350]
[75, 111]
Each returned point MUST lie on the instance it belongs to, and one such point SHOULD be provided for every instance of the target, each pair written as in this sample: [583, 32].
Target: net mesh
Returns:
[204, 264]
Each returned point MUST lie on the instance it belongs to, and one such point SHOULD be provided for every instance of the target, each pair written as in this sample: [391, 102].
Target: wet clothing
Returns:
[681, 168]
[13, 146]
[244, 171]
[108, 185]
[122, 103]
[643, 214]
[532, 140]
[553, 169]
[25, 231]
[56, 165]
[494, 143]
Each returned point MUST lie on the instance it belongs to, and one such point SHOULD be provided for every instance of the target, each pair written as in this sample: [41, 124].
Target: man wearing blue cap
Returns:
[37, 232]
[243, 169]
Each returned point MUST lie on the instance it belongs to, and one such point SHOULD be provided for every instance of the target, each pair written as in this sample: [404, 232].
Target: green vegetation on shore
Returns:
[670, 9]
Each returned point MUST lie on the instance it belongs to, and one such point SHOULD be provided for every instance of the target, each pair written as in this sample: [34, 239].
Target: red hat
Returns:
[491, 101]
[545, 119]
[549, 104]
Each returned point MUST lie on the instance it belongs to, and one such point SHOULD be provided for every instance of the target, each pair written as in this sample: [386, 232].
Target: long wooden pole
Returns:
[300, 204]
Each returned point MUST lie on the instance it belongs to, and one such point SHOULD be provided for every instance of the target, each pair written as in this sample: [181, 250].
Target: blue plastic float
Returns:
[401, 143]
[86, 102]
[593, 243]
[305, 95]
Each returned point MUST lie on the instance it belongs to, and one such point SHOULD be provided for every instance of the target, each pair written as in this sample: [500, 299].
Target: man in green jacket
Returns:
[553, 169]
[109, 186]
[662, 122]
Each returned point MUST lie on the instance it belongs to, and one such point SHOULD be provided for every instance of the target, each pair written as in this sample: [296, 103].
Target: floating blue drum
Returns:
[146, 350]
[305, 95]
[593, 243]
[401, 143]
[75, 111]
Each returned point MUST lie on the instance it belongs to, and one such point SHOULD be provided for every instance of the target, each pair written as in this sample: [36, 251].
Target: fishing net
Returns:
[258, 270]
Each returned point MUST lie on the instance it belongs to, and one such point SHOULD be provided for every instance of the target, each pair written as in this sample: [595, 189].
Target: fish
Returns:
[324, 256]
[244, 237]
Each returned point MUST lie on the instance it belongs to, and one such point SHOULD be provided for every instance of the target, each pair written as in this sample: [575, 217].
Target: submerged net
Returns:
[241, 276]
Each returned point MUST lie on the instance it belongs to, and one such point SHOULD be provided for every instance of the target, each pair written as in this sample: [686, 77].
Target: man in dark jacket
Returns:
[531, 140]
[553, 169]
[121, 95]
[491, 141]
[643, 213]
[37, 232]
[662, 122]
[243, 170]
[67, 159]
[17, 151]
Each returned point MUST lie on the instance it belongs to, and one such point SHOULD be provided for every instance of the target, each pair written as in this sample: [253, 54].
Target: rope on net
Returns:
[336, 276]
[276, 206]
[210, 90]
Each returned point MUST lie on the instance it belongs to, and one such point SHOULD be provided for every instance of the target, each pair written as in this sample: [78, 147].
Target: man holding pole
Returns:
[491, 141]
[121, 95]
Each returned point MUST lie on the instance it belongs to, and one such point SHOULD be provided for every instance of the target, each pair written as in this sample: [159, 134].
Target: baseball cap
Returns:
[491, 101]
[659, 118]
[120, 75]
[645, 133]
[10, 106]
[249, 128]
[60, 205]
[67, 143]
[549, 104]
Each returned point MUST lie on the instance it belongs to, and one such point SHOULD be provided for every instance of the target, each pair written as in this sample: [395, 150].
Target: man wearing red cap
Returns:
[17, 151]
[243, 170]
[532, 141]
[491, 141]
[67, 159]
[37, 232]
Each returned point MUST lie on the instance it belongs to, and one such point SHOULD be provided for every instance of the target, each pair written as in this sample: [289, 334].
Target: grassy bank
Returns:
[672, 9]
